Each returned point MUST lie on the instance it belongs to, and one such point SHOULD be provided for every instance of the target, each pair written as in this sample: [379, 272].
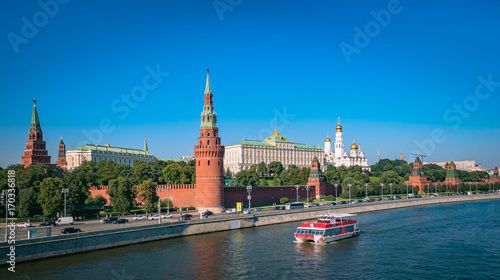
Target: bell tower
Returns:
[209, 154]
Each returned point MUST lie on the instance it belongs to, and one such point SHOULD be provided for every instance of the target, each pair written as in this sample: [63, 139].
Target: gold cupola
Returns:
[328, 138]
[338, 128]
[354, 146]
[276, 133]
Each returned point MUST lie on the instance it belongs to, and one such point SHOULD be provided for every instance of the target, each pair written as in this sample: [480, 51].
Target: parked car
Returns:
[257, 209]
[322, 203]
[109, 220]
[155, 217]
[308, 205]
[207, 213]
[166, 216]
[390, 198]
[185, 217]
[121, 221]
[315, 204]
[247, 211]
[360, 200]
[65, 221]
[49, 223]
[139, 218]
[231, 211]
[70, 230]
[276, 208]
[24, 225]
[344, 202]
[333, 203]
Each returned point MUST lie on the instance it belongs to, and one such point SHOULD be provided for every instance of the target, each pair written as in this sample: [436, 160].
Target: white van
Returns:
[65, 221]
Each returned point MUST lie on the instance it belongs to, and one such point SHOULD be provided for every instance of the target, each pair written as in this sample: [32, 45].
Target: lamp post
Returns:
[476, 187]
[407, 191]
[350, 193]
[336, 195]
[436, 189]
[470, 187]
[307, 189]
[159, 190]
[65, 192]
[390, 185]
[249, 190]
[168, 201]
[366, 190]
[382, 185]
[489, 187]
[446, 189]
[297, 188]
[428, 191]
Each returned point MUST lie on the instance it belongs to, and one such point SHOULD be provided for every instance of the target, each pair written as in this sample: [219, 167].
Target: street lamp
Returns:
[65, 192]
[159, 190]
[470, 187]
[350, 193]
[366, 190]
[249, 190]
[297, 187]
[476, 187]
[382, 185]
[390, 185]
[307, 189]
[168, 201]
[336, 195]
[407, 191]
[428, 191]
[446, 189]
[4, 202]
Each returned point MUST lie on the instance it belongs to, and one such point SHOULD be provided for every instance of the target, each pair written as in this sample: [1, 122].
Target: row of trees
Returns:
[39, 191]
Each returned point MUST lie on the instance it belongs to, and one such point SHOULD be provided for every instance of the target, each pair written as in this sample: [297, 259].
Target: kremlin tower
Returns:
[316, 179]
[61, 157]
[417, 176]
[35, 147]
[209, 154]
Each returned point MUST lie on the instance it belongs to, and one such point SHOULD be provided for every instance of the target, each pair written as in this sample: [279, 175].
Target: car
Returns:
[379, 199]
[397, 197]
[344, 202]
[121, 221]
[247, 211]
[390, 198]
[109, 220]
[231, 211]
[166, 216]
[24, 225]
[276, 208]
[322, 203]
[155, 217]
[70, 230]
[207, 213]
[308, 205]
[360, 200]
[139, 218]
[49, 223]
[333, 203]
[315, 204]
[257, 209]
[185, 217]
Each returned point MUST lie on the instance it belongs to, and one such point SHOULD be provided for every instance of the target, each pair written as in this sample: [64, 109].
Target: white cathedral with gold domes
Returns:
[339, 157]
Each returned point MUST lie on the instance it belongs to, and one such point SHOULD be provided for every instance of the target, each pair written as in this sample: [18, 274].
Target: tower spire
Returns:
[145, 144]
[35, 122]
[207, 86]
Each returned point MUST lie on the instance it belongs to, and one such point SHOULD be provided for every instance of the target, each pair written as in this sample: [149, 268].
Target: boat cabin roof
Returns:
[336, 215]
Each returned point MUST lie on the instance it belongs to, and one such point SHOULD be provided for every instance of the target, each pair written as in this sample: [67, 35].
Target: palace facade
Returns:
[241, 155]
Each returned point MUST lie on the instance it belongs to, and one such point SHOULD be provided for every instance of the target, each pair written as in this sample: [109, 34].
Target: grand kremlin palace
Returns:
[241, 155]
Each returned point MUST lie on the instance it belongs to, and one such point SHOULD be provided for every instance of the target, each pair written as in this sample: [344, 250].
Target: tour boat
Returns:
[328, 228]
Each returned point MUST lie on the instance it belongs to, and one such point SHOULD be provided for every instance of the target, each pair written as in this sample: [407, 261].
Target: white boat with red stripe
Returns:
[328, 228]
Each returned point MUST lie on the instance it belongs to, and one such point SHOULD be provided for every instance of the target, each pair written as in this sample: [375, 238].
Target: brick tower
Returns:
[209, 154]
[35, 147]
[417, 176]
[316, 179]
[495, 178]
[61, 156]
[451, 174]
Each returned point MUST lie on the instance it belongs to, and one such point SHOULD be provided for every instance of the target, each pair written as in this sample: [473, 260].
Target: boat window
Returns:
[349, 228]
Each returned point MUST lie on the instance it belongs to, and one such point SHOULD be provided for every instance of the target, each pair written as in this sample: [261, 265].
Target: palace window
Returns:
[208, 163]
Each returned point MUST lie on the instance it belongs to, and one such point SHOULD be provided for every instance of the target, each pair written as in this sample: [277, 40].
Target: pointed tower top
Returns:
[145, 144]
[61, 142]
[207, 86]
[401, 155]
[35, 122]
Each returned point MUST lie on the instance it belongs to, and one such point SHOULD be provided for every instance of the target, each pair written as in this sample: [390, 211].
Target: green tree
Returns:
[79, 180]
[147, 193]
[275, 168]
[262, 169]
[96, 199]
[228, 174]
[50, 197]
[109, 170]
[28, 205]
[247, 178]
[121, 194]
[172, 174]
[284, 200]
[390, 177]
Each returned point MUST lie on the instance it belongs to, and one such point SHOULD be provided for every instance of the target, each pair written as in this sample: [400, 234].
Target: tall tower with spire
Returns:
[339, 141]
[209, 154]
[61, 156]
[146, 145]
[35, 147]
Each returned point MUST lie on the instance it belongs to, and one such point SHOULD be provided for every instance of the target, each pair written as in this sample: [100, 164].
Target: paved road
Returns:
[96, 225]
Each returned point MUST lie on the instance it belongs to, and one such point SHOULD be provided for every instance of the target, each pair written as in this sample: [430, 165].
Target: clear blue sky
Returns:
[265, 58]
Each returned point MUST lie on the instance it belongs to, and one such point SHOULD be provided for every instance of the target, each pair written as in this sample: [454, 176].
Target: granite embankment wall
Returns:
[62, 245]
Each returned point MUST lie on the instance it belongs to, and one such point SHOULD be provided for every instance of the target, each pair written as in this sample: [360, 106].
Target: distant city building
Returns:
[467, 165]
[182, 158]
[240, 156]
[339, 157]
[36, 151]
[89, 152]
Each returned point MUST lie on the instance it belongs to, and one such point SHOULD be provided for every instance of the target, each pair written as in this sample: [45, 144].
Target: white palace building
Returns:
[241, 155]
[339, 157]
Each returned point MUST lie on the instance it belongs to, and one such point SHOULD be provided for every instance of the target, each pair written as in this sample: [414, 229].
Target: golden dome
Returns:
[328, 140]
[338, 128]
[276, 133]
[354, 146]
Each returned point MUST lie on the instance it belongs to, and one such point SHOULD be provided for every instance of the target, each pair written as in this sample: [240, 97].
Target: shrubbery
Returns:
[330, 198]
[284, 200]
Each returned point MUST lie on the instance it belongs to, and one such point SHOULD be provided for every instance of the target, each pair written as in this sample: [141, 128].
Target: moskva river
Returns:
[450, 241]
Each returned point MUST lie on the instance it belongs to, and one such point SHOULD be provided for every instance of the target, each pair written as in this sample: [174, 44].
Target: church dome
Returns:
[354, 146]
[276, 133]
[328, 139]
[338, 128]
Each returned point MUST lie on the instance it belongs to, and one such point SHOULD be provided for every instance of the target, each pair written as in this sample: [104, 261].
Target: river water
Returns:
[449, 241]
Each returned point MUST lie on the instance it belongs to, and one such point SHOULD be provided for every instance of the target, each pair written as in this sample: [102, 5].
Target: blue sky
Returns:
[426, 80]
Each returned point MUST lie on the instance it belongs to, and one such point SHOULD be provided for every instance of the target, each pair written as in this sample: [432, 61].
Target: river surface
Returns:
[448, 241]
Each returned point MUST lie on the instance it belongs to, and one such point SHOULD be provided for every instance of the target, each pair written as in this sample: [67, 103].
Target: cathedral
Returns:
[339, 157]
